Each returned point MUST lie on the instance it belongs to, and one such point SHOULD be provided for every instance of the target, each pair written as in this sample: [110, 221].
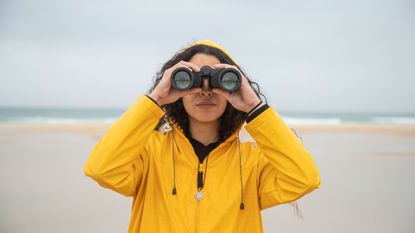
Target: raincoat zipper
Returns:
[197, 204]
[197, 217]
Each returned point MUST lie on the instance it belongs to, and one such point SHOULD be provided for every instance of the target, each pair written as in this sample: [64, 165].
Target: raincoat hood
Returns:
[213, 44]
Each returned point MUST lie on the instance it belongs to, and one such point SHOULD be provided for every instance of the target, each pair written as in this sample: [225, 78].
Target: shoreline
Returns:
[303, 127]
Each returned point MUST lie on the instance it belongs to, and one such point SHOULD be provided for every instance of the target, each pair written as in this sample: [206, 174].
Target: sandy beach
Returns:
[367, 173]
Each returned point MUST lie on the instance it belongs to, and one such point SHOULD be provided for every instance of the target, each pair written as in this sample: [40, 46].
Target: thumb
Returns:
[221, 92]
[191, 91]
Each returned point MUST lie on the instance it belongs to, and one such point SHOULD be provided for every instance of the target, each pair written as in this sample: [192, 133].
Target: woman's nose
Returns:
[206, 90]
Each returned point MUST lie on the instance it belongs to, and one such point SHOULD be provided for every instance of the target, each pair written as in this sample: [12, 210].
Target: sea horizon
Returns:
[65, 115]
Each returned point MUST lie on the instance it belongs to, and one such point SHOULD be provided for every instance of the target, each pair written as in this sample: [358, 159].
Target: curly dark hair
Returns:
[231, 119]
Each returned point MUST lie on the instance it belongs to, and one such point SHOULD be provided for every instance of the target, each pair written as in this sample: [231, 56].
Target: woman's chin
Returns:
[206, 118]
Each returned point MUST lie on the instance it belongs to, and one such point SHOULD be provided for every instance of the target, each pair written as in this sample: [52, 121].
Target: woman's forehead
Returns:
[201, 59]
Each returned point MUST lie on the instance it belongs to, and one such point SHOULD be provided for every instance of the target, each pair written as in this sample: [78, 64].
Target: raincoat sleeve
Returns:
[119, 160]
[286, 170]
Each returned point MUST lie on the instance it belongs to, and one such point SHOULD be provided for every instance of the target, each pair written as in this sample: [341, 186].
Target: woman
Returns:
[195, 175]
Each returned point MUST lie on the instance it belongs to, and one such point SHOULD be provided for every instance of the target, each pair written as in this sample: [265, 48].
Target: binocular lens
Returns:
[182, 80]
[229, 80]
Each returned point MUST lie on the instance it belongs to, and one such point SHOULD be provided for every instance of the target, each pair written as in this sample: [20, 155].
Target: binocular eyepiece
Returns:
[228, 79]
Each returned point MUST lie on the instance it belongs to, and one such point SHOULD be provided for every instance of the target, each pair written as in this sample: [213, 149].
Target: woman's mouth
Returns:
[206, 105]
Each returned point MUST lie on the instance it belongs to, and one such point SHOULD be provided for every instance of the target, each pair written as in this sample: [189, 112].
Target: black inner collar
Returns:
[201, 150]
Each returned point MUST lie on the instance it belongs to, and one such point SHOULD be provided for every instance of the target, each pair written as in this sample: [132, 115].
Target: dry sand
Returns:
[367, 175]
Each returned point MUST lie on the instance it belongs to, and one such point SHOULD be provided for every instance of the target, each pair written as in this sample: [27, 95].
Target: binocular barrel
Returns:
[228, 79]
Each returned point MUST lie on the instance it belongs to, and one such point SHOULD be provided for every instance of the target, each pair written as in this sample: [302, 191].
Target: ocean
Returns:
[73, 116]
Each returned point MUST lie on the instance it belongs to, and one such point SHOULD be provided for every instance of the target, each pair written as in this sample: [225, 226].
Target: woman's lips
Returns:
[205, 105]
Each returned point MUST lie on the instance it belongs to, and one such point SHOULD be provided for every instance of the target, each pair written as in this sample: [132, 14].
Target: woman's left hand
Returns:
[245, 99]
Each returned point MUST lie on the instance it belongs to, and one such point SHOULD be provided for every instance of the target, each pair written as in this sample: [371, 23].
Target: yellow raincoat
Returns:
[137, 161]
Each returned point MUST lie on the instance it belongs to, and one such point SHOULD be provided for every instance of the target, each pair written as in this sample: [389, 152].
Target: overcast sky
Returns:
[343, 56]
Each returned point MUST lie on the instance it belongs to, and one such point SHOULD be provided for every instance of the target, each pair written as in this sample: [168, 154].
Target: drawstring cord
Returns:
[174, 164]
[174, 191]
[242, 206]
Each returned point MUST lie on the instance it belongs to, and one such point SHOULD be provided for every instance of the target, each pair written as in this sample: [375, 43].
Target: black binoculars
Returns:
[228, 79]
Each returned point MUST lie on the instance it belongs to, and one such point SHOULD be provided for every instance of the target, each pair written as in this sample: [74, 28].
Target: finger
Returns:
[193, 66]
[191, 91]
[244, 80]
[220, 65]
[167, 75]
[223, 93]
[164, 81]
[223, 65]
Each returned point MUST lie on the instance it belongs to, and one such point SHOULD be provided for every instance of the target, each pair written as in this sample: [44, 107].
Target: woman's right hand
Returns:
[165, 93]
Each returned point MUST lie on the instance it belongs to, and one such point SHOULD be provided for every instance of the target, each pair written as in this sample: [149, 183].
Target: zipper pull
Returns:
[199, 179]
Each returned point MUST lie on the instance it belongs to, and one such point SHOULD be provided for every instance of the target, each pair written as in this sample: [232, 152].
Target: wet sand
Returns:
[367, 181]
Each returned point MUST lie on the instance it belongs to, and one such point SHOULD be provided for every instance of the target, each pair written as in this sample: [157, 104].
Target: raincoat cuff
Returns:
[266, 117]
[153, 110]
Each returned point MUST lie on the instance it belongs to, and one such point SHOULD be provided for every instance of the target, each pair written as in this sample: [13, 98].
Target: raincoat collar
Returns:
[178, 130]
